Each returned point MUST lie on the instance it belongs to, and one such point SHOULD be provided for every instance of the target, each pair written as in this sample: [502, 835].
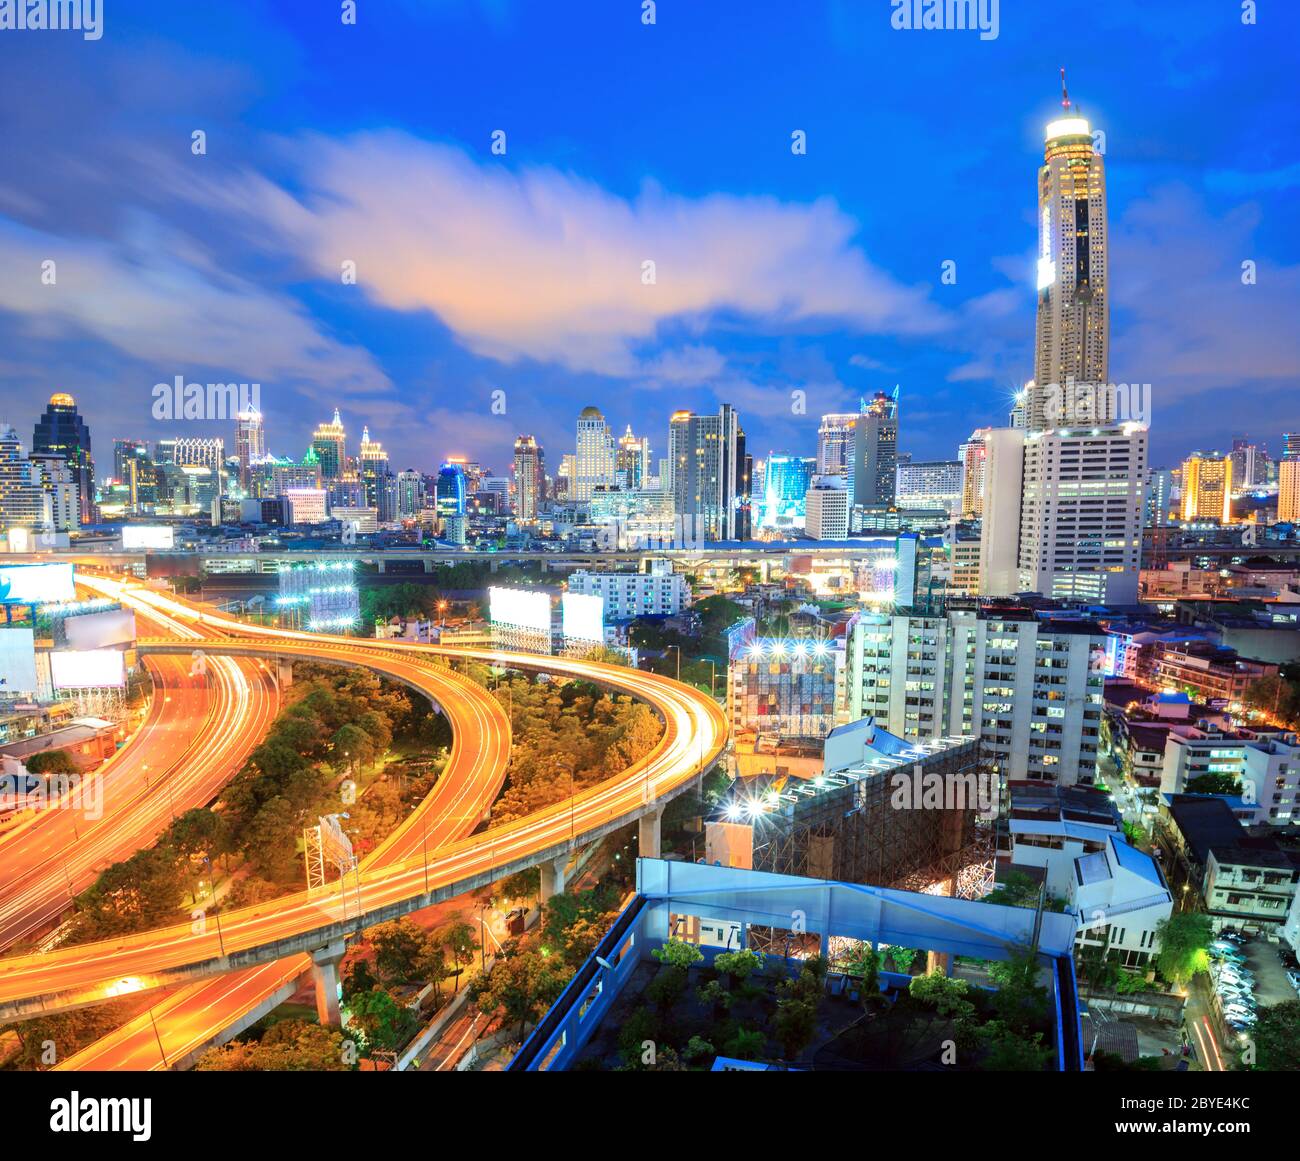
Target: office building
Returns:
[329, 441]
[22, 504]
[835, 444]
[874, 464]
[710, 474]
[930, 484]
[250, 445]
[827, 509]
[1207, 488]
[62, 432]
[973, 455]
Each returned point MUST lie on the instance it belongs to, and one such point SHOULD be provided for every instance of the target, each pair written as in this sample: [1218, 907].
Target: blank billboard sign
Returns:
[100, 630]
[148, 536]
[584, 616]
[88, 669]
[36, 584]
[520, 607]
[17, 661]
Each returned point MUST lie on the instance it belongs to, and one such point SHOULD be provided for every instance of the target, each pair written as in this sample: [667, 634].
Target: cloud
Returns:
[544, 265]
[157, 298]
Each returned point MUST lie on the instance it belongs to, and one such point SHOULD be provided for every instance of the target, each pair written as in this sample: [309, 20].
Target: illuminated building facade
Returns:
[1207, 488]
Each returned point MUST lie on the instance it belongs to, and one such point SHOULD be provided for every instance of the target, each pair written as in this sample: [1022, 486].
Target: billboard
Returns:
[522, 607]
[148, 536]
[38, 584]
[584, 616]
[100, 630]
[17, 661]
[87, 669]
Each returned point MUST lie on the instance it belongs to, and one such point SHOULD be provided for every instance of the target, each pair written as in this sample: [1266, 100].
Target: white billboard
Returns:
[87, 669]
[521, 607]
[22, 584]
[99, 630]
[17, 661]
[148, 536]
[584, 616]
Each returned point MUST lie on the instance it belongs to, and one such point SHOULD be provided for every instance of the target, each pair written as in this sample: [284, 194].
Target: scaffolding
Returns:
[852, 827]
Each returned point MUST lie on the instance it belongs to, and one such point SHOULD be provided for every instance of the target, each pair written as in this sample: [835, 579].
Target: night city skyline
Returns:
[775, 271]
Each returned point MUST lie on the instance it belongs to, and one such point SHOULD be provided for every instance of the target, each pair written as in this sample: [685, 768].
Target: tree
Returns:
[51, 762]
[399, 946]
[1183, 938]
[746, 1044]
[381, 1019]
[141, 892]
[903, 958]
[1008, 1051]
[1019, 998]
[737, 966]
[458, 938]
[1277, 1038]
[678, 953]
[522, 986]
[288, 1046]
[1217, 783]
[949, 997]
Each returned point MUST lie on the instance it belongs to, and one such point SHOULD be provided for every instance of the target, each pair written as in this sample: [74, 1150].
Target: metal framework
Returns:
[855, 831]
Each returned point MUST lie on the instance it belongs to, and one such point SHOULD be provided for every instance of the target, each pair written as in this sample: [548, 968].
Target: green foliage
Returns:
[949, 997]
[1215, 783]
[1183, 938]
[903, 958]
[385, 1024]
[737, 966]
[1010, 1051]
[288, 1046]
[678, 953]
[1277, 1038]
[746, 1044]
[521, 986]
[667, 988]
[1020, 1000]
[1016, 890]
[51, 762]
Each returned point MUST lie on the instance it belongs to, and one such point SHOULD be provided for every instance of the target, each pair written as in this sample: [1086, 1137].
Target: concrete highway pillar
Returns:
[649, 832]
[283, 672]
[553, 877]
[325, 981]
[428, 565]
[381, 563]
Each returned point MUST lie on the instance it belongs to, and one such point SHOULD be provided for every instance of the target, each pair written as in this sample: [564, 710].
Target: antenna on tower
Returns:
[1065, 94]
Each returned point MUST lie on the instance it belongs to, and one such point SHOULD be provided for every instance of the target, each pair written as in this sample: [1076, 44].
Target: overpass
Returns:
[306, 922]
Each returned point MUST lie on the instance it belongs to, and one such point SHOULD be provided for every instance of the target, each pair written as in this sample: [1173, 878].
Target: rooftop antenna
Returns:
[1065, 94]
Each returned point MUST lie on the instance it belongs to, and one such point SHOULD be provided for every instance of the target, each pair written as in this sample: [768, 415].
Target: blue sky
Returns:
[521, 273]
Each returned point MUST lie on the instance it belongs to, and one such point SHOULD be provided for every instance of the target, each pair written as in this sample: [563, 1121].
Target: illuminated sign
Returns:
[521, 607]
[22, 584]
[584, 616]
[148, 536]
[17, 661]
[87, 669]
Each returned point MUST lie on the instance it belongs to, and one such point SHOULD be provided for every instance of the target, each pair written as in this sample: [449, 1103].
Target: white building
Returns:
[634, 594]
[1119, 897]
[596, 458]
[930, 484]
[306, 505]
[1031, 689]
[826, 509]
[835, 444]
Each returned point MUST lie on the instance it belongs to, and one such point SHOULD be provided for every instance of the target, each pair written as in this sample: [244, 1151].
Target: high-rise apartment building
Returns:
[1207, 487]
[199, 453]
[530, 477]
[632, 460]
[595, 458]
[710, 474]
[835, 444]
[930, 484]
[1028, 686]
[376, 479]
[1073, 327]
[61, 431]
[827, 509]
[410, 492]
[330, 444]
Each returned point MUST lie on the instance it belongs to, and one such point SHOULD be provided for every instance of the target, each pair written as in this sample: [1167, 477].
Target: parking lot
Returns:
[1271, 985]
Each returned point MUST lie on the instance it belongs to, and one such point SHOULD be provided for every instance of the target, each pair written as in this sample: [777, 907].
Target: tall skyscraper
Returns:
[594, 461]
[1207, 487]
[711, 474]
[192, 452]
[330, 443]
[250, 445]
[786, 480]
[378, 482]
[530, 475]
[61, 431]
[973, 455]
[1160, 497]
[835, 444]
[1073, 329]
[873, 469]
